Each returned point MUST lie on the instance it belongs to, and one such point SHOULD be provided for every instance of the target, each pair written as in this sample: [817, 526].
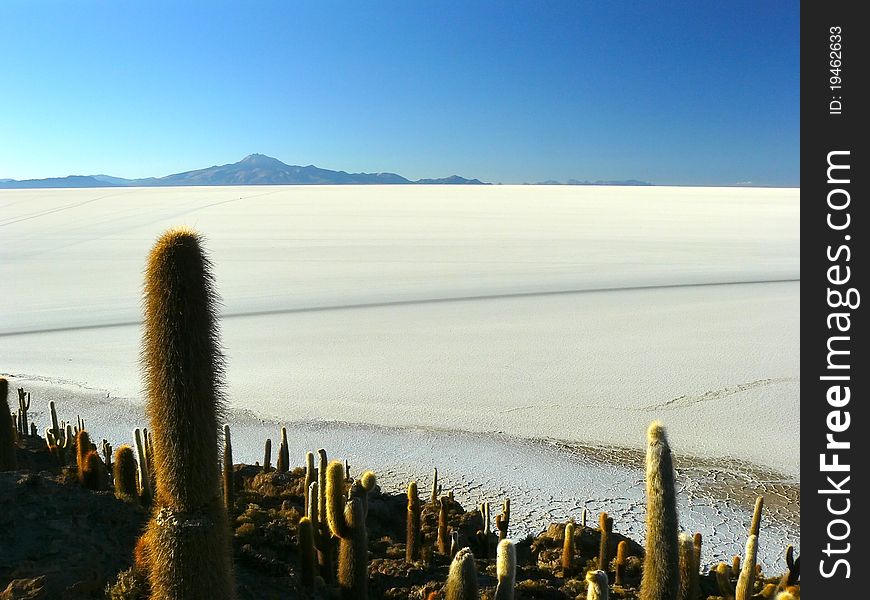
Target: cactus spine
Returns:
[746, 581]
[605, 524]
[412, 543]
[462, 577]
[229, 475]
[506, 570]
[346, 517]
[307, 561]
[187, 538]
[596, 585]
[125, 473]
[568, 550]
[661, 565]
[8, 461]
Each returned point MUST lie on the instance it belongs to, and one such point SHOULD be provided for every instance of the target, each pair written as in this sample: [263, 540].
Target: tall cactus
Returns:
[621, 551]
[661, 565]
[506, 570]
[347, 521]
[462, 577]
[283, 463]
[310, 475]
[443, 528]
[746, 581]
[326, 546]
[267, 456]
[8, 461]
[55, 428]
[412, 543]
[23, 407]
[188, 539]
[597, 585]
[307, 560]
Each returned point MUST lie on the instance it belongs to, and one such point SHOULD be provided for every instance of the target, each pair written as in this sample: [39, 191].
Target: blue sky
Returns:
[687, 93]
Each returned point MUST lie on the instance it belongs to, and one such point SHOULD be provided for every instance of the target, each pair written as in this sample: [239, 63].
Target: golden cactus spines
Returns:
[462, 577]
[125, 473]
[661, 565]
[8, 461]
[346, 518]
[188, 536]
[597, 585]
[93, 473]
[505, 569]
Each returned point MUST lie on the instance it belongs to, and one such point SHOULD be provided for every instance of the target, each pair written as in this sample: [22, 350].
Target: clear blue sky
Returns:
[688, 92]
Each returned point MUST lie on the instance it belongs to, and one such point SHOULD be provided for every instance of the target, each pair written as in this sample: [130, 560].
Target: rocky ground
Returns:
[60, 540]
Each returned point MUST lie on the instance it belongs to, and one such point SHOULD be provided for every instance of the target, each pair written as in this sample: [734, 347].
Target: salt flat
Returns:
[565, 313]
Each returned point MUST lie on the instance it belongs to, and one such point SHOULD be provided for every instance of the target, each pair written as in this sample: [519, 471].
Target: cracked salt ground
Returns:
[546, 480]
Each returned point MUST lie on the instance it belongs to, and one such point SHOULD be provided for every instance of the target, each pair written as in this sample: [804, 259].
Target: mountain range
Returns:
[255, 169]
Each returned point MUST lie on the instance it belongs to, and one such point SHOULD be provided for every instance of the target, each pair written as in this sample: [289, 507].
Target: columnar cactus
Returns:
[696, 544]
[8, 461]
[433, 498]
[485, 533]
[55, 428]
[229, 474]
[755, 526]
[83, 446]
[443, 528]
[746, 581]
[605, 524]
[145, 491]
[689, 569]
[310, 475]
[462, 577]
[92, 472]
[267, 456]
[107, 455]
[307, 559]
[506, 570]
[125, 473]
[621, 552]
[723, 580]
[661, 565]
[346, 517]
[412, 544]
[23, 407]
[568, 550]
[596, 585]
[326, 544]
[187, 538]
[502, 521]
[283, 464]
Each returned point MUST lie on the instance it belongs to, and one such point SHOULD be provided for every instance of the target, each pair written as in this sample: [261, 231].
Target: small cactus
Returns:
[8, 461]
[502, 521]
[92, 473]
[267, 456]
[346, 517]
[605, 524]
[83, 446]
[735, 563]
[55, 428]
[433, 498]
[443, 528]
[506, 570]
[689, 570]
[125, 473]
[661, 565]
[723, 580]
[107, 455]
[462, 577]
[596, 585]
[621, 551]
[307, 559]
[412, 543]
[568, 550]
[746, 581]
[696, 543]
[283, 464]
